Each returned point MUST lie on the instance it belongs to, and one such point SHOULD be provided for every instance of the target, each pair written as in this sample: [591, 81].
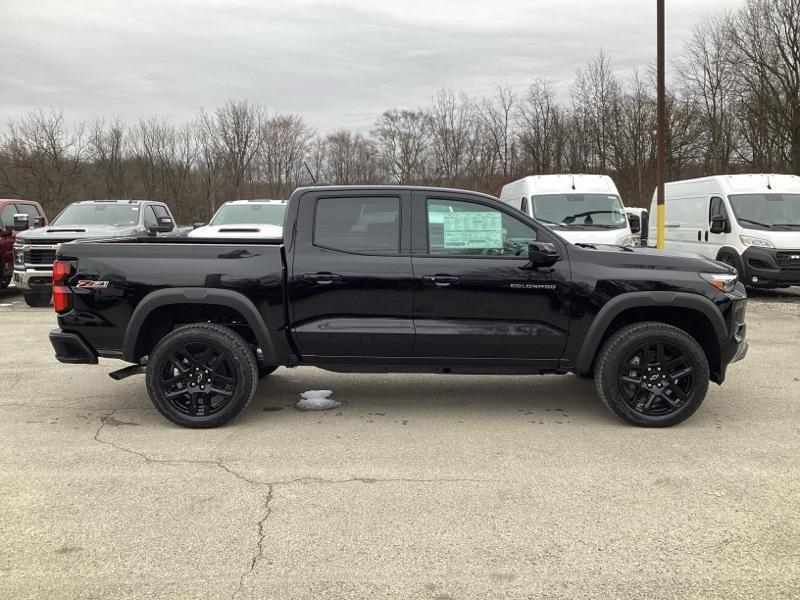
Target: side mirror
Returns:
[20, 222]
[719, 224]
[165, 224]
[198, 225]
[635, 223]
[38, 221]
[542, 254]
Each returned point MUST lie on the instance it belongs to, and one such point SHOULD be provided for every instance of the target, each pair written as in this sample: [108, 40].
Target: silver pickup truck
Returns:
[35, 249]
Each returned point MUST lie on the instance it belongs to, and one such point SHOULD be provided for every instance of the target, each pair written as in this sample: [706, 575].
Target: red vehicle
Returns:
[8, 231]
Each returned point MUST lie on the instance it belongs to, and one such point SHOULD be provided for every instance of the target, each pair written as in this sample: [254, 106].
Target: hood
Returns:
[73, 232]
[652, 258]
[243, 231]
[593, 236]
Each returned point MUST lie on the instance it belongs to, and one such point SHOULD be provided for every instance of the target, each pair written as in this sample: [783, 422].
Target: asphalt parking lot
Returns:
[440, 487]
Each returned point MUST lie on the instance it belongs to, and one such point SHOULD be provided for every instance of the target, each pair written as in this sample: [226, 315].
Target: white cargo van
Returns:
[580, 208]
[751, 222]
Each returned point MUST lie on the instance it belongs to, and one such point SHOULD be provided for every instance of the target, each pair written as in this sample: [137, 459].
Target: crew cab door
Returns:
[350, 280]
[477, 296]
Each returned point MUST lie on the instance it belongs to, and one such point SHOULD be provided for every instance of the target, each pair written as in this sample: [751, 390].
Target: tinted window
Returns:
[160, 211]
[364, 225]
[463, 228]
[579, 210]
[7, 215]
[30, 210]
[150, 218]
[100, 213]
[716, 209]
[250, 214]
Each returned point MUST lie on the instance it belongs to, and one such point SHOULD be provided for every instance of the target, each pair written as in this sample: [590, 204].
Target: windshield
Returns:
[580, 210]
[250, 214]
[118, 215]
[767, 211]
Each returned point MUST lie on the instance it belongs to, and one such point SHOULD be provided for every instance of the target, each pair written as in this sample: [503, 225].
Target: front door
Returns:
[714, 242]
[350, 279]
[476, 295]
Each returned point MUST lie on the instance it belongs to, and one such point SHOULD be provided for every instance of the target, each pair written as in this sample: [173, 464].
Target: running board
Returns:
[127, 372]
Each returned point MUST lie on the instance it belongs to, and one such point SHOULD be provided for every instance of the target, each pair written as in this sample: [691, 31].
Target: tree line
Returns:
[733, 106]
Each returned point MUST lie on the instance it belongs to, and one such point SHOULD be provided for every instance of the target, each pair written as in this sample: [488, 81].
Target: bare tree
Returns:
[449, 118]
[43, 159]
[402, 138]
[497, 114]
[541, 133]
[350, 158]
[107, 150]
[286, 139]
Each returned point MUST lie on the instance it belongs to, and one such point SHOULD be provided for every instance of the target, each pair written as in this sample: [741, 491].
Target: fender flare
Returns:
[197, 295]
[616, 306]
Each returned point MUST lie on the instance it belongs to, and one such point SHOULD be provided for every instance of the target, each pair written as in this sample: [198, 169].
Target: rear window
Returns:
[369, 225]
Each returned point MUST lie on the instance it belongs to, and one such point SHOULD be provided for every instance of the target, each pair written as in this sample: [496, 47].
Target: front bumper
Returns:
[38, 279]
[770, 267]
[71, 348]
[735, 347]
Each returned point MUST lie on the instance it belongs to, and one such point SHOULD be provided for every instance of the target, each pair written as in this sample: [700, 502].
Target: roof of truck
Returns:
[114, 201]
[421, 188]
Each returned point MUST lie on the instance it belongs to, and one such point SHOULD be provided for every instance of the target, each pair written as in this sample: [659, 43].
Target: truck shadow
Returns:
[562, 398]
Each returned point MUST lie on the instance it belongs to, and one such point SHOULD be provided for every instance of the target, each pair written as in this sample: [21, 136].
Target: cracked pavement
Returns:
[419, 486]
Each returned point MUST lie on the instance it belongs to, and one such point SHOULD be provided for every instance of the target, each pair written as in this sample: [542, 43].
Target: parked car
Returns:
[9, 209]
[371, 279]
[35, 250]
[245, 219]
[751, 222]
[580, 208]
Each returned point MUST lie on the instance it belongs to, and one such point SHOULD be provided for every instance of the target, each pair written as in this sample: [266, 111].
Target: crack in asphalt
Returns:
[258, 555]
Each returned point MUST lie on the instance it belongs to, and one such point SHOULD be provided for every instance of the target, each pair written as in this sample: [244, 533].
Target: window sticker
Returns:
[473, 230]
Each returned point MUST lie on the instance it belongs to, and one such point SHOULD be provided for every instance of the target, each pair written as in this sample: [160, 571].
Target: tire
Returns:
[264, 370]
[38, 299]
[630, 380]
[194, 357]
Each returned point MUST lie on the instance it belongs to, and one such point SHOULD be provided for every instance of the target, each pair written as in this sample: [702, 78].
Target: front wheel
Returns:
[37, 300]
[201, 375]
[652, 374]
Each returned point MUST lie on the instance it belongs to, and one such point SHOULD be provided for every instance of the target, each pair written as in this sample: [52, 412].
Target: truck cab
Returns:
[15, 215]
[580, 208]
[35, 250]
[751, 222]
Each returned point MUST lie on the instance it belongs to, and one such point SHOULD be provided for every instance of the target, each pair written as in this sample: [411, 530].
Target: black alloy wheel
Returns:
[652, 374]
[656, 379]
[201, 375]
[198, 380]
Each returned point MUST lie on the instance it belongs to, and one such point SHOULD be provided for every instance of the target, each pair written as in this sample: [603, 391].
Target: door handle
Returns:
[322, 277]
[440, 280]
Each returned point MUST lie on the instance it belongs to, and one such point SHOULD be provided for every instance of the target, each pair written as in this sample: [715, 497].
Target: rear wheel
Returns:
[201, 375]
[37, 299]
[652, 374]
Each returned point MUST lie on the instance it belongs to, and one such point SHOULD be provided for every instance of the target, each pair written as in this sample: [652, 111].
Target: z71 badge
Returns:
[89, 283]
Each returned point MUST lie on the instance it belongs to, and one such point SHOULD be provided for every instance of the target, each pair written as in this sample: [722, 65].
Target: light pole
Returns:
[661, 125]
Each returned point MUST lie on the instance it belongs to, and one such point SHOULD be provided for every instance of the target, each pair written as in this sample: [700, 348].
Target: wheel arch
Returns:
[155, 302]
[697, 315]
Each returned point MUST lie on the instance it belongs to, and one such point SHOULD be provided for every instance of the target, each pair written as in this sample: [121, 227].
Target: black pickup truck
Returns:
[399, 279]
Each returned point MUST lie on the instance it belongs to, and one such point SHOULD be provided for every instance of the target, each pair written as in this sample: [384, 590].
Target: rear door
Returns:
[350, 281]
[476, 296]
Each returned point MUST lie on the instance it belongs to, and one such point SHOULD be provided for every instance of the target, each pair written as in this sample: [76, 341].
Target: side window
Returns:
[30, 210]
[460, 228]
[160, 211]
[150, 217]
[361, 225]
[716, 208]
[7, 215]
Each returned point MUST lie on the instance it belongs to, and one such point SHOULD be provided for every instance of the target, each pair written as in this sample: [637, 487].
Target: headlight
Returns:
[722, 281]
[626, 240]
[19, 256]
[754, 241]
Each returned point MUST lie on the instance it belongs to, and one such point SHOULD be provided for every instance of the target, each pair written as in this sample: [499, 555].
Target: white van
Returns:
[580, 208]
[247, 219]
[751, 222]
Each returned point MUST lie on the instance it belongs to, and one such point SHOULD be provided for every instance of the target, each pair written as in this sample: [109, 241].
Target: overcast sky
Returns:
[339, 64]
